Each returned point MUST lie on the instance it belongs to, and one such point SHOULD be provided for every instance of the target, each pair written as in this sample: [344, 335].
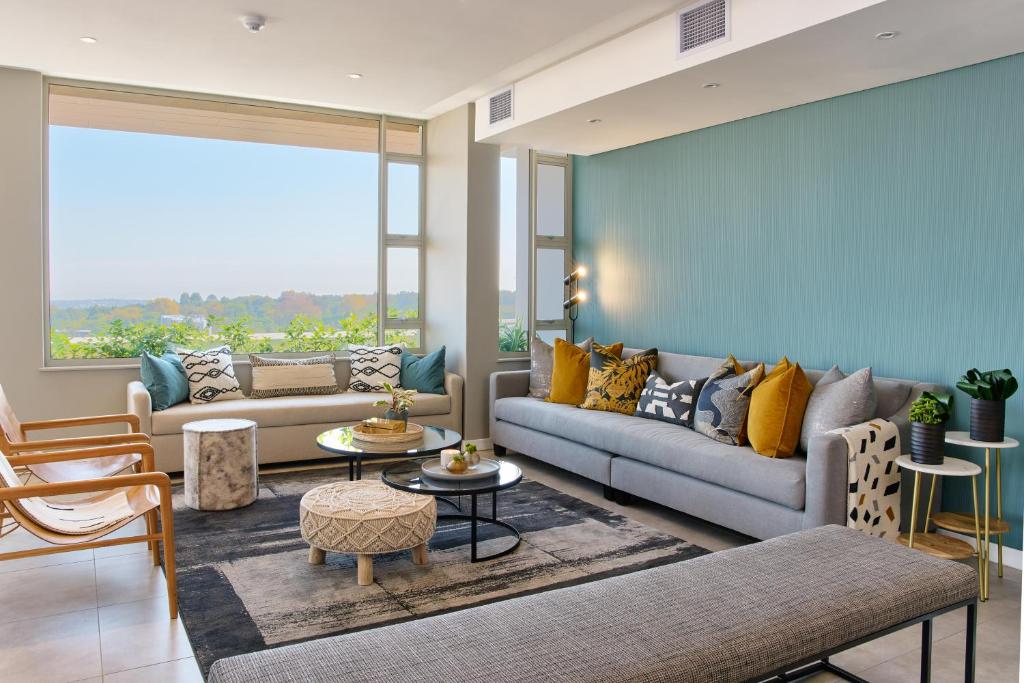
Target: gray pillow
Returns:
[542, 362]
[838, 401]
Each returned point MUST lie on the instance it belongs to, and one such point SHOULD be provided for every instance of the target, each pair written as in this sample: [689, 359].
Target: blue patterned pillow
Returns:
[673, 403]
[723, 404]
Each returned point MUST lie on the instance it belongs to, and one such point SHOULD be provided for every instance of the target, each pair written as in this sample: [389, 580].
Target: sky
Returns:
[139, 216]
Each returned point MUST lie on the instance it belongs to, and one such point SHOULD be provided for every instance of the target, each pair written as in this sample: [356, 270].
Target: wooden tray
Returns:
[413, 432]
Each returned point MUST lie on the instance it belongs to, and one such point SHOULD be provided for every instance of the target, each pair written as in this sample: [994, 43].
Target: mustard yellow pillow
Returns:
[614, 384]
[777, 408]
[569, 372]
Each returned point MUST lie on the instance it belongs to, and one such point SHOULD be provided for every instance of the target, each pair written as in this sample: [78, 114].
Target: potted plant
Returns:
[398, 406]
[988, 392]
[928, 417]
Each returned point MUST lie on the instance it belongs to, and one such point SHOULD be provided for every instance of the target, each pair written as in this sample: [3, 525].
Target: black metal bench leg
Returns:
[926, 651]
[972, 637]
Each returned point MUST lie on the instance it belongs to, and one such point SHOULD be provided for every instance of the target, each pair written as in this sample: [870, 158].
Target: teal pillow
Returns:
[165, 379]
[425, 375]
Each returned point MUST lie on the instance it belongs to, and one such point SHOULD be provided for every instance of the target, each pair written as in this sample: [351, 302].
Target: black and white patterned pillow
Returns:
[673, 403]
[374, 365]
[211, 375]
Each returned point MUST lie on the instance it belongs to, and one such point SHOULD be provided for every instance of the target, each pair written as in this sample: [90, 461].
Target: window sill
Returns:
[514, 359]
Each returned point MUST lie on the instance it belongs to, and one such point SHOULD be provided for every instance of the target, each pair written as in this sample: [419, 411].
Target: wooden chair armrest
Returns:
[144, 449]
[77, 441]
[128, 418]
[85, 486]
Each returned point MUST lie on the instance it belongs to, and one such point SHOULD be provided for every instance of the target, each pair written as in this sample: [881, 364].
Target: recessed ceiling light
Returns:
[355, 76]
[711, 86]
[886, 35]
[88, 40]
[593, 120]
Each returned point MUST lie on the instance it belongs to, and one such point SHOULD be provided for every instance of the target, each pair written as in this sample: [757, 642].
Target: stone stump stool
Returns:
[366, 518]
[220, 464]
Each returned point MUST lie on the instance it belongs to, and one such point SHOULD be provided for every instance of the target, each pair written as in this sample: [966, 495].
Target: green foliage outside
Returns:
[120, 339]
[512, 337]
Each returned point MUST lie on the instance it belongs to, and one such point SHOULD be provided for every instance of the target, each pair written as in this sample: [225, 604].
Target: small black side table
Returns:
[342, 442]
[408, 476]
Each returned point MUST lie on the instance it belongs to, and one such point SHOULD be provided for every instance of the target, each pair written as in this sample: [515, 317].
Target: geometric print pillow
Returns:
[372, 366]
[723, 403]
[673, 403]
[211, 375]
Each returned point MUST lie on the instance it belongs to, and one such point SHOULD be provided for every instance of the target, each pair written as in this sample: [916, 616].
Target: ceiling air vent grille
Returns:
[501, 106]
[703, 25]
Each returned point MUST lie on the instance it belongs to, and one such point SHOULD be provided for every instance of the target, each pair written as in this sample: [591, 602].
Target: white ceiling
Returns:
[660, 96]
[418, 57]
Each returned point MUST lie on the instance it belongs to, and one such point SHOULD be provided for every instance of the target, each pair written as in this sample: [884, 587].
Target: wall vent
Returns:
[702, 25]
[501, 106]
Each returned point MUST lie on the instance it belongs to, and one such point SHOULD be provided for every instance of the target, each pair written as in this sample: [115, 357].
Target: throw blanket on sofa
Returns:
[873, 501]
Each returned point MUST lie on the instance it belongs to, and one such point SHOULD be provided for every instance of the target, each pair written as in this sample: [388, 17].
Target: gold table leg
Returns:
[986, 572]
[999, 507]
[977, 537]
[913, 510]
[931, 496]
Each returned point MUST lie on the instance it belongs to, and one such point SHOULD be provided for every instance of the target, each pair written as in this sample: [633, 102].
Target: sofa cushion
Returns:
[294, 410]
[669, 446]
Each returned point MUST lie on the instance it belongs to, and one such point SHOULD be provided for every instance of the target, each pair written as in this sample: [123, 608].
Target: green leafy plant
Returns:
[992, 385]
[401, 399]
[470, 448]
[931, 409]
[512, 337]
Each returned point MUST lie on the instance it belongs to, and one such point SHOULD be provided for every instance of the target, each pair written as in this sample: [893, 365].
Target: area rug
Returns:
[245, 583]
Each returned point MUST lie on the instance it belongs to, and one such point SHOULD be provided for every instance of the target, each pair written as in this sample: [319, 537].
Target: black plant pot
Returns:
[927, 443]
[987, 419]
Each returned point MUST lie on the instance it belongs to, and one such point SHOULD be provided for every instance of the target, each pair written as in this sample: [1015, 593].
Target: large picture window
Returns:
[187, 222]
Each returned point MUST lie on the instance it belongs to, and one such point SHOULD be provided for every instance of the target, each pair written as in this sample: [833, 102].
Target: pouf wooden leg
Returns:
[316, 555]
[419, 554]
[364, 569]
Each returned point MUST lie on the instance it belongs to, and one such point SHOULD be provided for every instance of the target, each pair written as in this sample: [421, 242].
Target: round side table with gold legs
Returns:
[990, 526]
[939, 545]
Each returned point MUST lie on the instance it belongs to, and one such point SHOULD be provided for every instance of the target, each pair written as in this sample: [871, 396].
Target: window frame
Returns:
[538, 242]
[525, 354]
[383, 239]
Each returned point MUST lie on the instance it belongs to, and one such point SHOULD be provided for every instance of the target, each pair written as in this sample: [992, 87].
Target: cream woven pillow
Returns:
[272, 377]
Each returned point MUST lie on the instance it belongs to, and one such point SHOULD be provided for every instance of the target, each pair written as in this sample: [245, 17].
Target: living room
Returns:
[582, 341]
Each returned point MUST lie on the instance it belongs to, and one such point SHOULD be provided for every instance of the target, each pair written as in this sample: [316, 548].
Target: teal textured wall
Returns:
[881, 228]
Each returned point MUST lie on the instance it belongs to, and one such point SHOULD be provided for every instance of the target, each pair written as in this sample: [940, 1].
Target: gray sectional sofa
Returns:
[677, 467]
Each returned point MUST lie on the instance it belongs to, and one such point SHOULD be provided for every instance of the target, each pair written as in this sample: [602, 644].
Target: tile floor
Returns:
[102, 615]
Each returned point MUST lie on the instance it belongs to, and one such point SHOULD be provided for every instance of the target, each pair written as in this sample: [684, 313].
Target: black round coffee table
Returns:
[408, 476]
[342, 441]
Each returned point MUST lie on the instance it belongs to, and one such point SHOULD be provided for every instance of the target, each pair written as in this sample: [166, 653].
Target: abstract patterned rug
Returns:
[245, 584]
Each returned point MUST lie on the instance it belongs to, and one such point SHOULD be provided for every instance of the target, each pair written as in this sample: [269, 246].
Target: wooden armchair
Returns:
[85, 520]
[14, 440]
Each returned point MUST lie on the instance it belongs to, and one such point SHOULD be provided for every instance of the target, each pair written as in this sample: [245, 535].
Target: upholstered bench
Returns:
[745, 614]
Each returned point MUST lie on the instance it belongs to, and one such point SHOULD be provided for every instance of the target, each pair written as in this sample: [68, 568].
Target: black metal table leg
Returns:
[359, 468]
[494, 506]
[351, 470]
[926, 651]
[972, 637]
[472, 532]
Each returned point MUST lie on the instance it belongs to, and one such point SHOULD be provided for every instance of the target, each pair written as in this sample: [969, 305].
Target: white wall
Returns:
[34, 392]
[462, 257]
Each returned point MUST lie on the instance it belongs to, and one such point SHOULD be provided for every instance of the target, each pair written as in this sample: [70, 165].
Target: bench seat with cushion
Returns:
[677, 467]
[288, 425]
[709, 619]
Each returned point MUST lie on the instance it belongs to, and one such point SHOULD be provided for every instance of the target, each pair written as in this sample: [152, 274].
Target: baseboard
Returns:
[1011, 556]
[481, 444]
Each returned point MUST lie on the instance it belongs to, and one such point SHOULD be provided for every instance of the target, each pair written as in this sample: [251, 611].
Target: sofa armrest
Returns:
[827, 481]
[141, 404]
[454, 386]
[506, 384]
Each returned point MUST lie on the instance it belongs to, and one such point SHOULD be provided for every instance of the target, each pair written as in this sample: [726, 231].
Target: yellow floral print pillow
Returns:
[614, 384]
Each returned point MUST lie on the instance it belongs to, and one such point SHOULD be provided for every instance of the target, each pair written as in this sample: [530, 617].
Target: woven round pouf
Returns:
[366, 518]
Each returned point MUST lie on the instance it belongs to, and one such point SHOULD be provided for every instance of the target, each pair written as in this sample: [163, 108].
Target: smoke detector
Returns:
[254, 23]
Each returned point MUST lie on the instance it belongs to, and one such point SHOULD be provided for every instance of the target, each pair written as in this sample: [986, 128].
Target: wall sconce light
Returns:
[578, 274]
[576, 297]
